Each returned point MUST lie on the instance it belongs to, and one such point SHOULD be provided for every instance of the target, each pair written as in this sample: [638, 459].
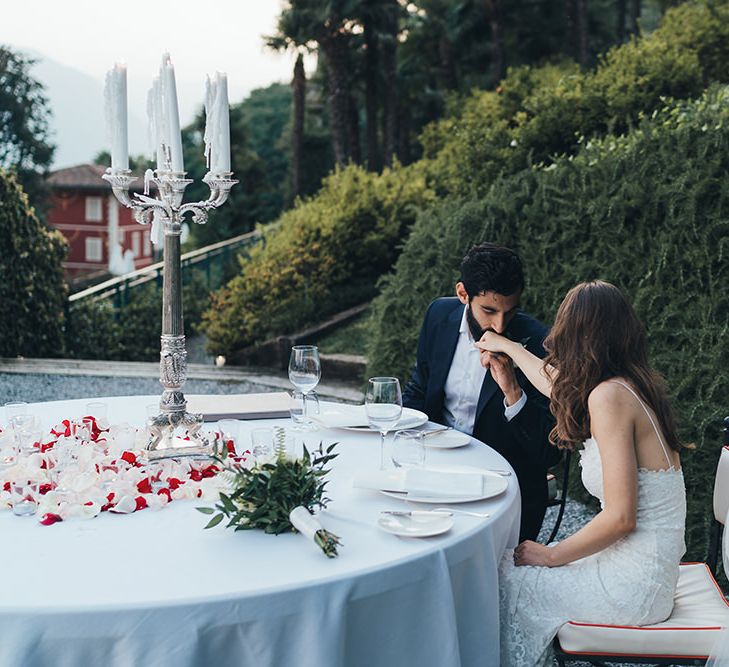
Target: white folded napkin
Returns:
[423, 482]
[346, 416]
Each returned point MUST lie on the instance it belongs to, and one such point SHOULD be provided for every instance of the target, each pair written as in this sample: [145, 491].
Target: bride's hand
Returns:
[533, 553]
[493, 342]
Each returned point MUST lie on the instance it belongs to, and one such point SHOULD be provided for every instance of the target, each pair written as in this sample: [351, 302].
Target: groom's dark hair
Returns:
[488, 267]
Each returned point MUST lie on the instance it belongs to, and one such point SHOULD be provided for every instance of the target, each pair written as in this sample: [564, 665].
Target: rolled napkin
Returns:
[423, 482]
[309, 526]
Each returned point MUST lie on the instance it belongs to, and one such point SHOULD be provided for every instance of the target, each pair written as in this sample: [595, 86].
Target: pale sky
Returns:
[202, 37]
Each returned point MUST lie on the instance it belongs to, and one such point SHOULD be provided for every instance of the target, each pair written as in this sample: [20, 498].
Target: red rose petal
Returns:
[231, 447]
[44, 488]
[49, 519]
[165, 492]
[173, 482]
[141, 503]
[129, 457]
[6, 487]
[144, 486]
[195, 475]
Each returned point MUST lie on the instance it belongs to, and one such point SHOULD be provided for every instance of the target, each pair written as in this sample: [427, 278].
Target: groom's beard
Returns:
[473, 326]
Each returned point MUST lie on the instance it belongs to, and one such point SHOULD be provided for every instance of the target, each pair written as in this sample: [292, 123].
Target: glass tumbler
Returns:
[407, 449]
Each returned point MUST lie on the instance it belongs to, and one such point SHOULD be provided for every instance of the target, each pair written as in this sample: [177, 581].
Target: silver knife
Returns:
[416, 512]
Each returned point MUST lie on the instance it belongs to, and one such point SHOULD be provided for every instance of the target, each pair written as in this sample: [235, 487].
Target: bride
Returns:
[622, 567]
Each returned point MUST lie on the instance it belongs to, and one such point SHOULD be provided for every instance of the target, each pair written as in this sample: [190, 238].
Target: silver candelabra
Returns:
[170, 211]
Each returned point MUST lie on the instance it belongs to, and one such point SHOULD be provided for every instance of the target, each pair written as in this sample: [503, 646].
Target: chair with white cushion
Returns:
[700, 610]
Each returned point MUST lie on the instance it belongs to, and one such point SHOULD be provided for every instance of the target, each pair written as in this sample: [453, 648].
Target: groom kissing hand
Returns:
[495, 403]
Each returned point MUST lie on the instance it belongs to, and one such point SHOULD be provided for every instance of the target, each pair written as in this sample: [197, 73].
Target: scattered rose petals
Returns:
[49, 519]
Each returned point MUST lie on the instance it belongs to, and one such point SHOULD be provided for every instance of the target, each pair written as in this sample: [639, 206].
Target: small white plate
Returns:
[423, 524]
[353, 418]
[493, 485]
[447, 439]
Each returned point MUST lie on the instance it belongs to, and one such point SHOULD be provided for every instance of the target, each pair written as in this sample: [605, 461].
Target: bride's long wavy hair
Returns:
[597, 336]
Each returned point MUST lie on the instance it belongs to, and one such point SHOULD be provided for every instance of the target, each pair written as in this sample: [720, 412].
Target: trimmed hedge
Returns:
[32, 287]
[648, 211]
[325, 256]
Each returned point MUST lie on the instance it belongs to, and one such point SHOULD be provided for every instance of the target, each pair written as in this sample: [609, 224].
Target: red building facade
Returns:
[86, 212]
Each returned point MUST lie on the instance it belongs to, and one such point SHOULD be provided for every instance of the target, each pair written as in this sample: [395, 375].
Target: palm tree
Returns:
[327, 28]
[297, 137]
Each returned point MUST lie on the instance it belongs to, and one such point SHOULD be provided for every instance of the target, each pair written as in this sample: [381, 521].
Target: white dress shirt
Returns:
[463, 384]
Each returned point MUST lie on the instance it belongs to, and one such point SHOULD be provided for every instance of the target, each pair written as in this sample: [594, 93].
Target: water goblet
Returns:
[304, 370]
[407, 449]
[383, 405]
[298, 408]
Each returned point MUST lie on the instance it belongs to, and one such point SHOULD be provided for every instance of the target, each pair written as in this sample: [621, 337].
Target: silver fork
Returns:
[481, 515]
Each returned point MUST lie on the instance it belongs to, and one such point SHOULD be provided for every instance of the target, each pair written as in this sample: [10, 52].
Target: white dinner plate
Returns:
[493, 485]
[447, 439]
[419, 525]
[356, 416]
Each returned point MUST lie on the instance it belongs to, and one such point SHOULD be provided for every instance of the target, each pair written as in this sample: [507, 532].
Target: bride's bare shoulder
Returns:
[608, 393]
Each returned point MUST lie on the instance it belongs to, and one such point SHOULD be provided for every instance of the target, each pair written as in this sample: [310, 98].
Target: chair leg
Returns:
[558, 522]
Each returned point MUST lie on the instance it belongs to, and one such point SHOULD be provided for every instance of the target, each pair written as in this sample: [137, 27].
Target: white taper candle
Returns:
[115, 94]
[174, 137]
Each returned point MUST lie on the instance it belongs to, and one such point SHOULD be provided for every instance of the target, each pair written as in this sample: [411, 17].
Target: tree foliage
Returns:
[32, 288]
[25, 142]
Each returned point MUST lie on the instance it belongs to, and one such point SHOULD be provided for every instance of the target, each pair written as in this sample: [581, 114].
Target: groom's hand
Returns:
[502, 370]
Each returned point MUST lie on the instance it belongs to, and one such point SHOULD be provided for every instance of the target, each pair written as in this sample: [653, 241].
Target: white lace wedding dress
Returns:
[631, 582]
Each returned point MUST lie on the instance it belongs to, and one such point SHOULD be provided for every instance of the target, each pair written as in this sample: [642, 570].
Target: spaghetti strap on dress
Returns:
[653, 423]
[631, 582]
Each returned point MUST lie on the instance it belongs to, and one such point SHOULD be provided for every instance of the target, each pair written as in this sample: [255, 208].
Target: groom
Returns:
[497, 405]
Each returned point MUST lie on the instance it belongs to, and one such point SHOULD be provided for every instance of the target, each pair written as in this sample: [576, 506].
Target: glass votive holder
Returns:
[14, 408]
[100, 412]
[229, 430]
[407, 449]
[262, 442]
[24, 497]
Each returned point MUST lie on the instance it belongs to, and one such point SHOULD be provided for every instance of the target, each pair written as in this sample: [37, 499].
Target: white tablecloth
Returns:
[153, 588]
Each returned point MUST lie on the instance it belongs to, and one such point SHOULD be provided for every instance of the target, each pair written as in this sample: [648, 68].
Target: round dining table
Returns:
[154, 588]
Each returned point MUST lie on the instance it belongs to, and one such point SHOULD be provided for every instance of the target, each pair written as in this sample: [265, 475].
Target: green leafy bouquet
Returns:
[268, 494]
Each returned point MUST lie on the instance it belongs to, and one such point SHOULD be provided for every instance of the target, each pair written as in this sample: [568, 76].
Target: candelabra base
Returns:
[166, 443]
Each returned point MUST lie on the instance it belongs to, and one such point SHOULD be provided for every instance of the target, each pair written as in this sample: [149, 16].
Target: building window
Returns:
[136, 244]
[93, 209]
[93, 249]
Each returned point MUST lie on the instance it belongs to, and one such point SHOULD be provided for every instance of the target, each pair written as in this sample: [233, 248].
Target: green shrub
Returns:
[325, 256]
[32, 288]
[648, 211]
[97, 330]
[539, 113]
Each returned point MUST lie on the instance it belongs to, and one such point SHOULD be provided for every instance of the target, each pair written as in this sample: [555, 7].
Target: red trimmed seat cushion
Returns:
[700, 612]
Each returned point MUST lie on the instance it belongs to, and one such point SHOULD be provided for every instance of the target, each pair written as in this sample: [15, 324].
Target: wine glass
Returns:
[383, 405]
[304, 371]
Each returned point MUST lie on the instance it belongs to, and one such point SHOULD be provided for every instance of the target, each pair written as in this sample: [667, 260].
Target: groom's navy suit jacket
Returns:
[523, 441]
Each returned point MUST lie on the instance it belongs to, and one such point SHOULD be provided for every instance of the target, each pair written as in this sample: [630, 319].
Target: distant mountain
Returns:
[77, 102]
